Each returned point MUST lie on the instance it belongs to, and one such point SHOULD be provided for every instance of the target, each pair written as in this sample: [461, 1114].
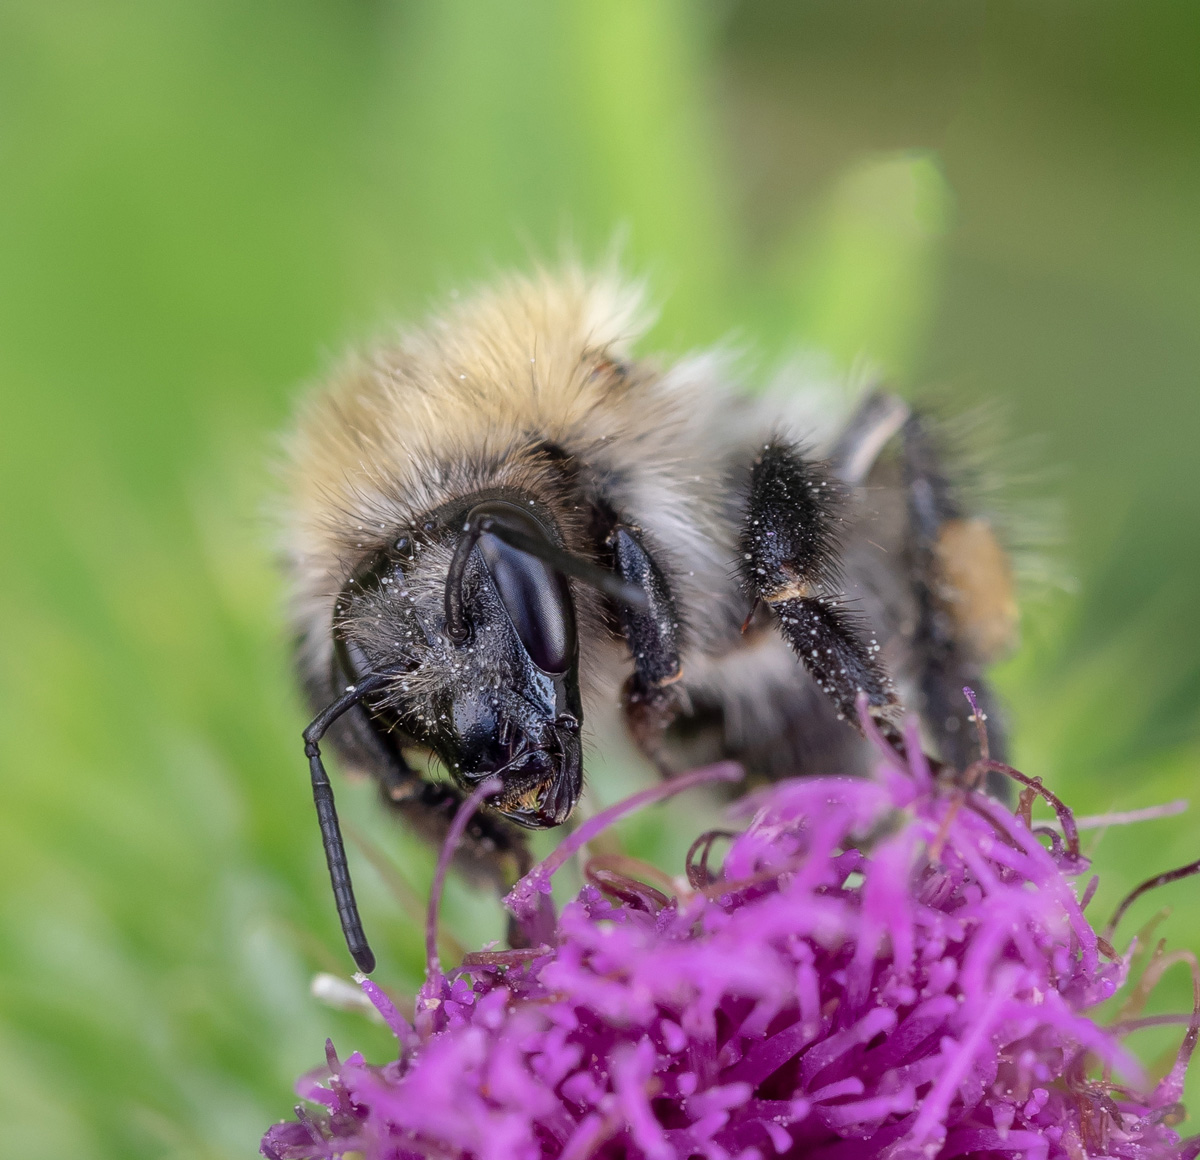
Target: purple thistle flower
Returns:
[882, 968]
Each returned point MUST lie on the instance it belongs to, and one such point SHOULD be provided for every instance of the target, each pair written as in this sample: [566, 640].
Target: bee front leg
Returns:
[650, 699]
[789, 562]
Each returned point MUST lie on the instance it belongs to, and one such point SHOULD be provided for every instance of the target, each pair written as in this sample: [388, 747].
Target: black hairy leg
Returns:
[788, 548]
[650, 698]
[944, 659]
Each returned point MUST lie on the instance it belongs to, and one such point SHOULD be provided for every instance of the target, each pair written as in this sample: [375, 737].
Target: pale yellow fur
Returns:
[450, 405]
[467, 403]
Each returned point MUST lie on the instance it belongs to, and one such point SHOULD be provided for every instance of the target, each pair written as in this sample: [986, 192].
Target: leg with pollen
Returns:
[788, 548]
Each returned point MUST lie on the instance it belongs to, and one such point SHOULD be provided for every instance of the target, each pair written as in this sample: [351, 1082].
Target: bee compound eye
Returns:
[537, 600]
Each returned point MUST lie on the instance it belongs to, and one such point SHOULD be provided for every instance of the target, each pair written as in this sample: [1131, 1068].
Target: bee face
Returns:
[493, 690]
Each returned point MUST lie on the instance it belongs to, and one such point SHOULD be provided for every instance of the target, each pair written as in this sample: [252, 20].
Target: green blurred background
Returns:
[203, 202]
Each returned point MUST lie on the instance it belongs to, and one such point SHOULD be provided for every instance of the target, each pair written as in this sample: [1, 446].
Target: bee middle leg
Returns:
[788, 548]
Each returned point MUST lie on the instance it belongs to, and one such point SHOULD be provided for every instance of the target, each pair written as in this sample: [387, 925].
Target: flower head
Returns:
[881, 968]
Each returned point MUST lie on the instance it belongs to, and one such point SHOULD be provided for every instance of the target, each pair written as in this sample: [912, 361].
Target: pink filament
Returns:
[522, 899]
[458, 827]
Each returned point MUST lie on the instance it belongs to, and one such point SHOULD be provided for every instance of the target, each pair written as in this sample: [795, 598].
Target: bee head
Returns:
[482, 618]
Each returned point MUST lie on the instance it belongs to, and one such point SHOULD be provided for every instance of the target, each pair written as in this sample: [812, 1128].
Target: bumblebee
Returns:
[504, 520]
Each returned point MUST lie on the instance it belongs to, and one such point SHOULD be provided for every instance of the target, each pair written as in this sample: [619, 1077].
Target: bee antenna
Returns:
[331, 832]
[487, 518]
